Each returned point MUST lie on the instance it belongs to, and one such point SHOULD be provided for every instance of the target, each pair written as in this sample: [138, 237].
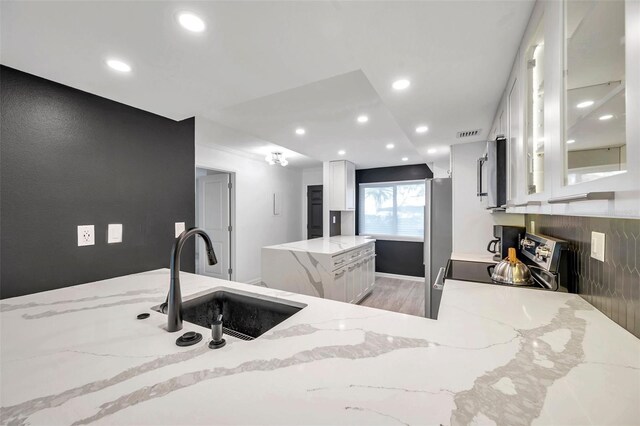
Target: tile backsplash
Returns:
[612, 286]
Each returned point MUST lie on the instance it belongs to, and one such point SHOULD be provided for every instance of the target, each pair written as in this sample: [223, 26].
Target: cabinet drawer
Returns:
[351, 256]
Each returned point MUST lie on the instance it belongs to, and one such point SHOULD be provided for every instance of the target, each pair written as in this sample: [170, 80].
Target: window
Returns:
[393, 209]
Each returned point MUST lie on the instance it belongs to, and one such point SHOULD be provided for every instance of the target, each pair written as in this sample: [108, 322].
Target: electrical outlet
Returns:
[114, 233]
[597, 246]
[86, 235]
[179, 228]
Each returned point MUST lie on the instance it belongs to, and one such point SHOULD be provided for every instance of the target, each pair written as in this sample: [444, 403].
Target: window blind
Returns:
[392, 208]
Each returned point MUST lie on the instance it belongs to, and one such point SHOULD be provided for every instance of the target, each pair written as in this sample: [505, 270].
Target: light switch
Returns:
[179, 228]
[597, 246]
[114, 233]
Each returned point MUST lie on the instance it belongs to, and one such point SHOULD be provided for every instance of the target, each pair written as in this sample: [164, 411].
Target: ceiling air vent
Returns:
[467, 133]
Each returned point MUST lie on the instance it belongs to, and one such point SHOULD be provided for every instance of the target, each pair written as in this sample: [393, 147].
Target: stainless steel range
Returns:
[546, 257]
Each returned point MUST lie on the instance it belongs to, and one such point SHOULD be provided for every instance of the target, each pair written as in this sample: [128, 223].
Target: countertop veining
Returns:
[332, 245]
[496, 355]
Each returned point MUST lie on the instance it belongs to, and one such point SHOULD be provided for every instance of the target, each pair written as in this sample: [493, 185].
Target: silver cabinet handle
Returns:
[528, 203]
[588, 196]
[481, 162]
[439, 284]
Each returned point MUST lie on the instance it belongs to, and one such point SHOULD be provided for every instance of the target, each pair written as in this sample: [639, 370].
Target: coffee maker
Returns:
[505, 237]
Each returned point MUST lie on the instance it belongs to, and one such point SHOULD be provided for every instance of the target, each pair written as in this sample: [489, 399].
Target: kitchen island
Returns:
[339, 268]
[496, 354]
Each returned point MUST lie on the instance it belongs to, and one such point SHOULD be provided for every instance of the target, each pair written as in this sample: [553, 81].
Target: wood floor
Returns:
[397, 295]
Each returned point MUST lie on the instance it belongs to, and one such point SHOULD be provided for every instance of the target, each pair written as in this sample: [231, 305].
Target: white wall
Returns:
[311, 176]
[440, 168]
[255, 181]
[472, 223]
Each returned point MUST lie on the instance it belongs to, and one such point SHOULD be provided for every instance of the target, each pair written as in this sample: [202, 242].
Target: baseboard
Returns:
[255, 281]
[399, 277]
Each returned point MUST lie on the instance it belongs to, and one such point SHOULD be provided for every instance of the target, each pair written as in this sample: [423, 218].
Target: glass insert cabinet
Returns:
[573, 109]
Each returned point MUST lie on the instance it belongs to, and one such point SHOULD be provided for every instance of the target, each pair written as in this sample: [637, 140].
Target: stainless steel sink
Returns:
[245, 315]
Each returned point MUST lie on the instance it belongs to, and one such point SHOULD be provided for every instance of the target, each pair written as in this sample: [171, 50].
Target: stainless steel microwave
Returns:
[492, 174]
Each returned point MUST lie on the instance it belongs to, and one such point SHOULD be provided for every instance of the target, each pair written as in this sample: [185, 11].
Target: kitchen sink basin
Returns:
[244, 315]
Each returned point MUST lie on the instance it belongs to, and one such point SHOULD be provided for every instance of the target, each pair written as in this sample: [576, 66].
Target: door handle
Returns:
[439, 283]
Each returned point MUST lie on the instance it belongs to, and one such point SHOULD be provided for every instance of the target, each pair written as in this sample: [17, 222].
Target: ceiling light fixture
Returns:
[300, 131]
[191, 22]
[363, 119]
[342, 152]
[585, 104]
[605, 117]
[571, 141]
[422, 129]
[401, 84]
[390, 146]
[405, 158]
[118, 65]
[432, 151]
[276, 158]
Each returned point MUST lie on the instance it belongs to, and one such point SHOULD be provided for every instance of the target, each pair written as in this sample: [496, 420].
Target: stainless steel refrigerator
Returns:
[437, 241]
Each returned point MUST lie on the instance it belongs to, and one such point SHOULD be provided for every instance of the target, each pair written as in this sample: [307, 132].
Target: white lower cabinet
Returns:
[339, 285]
[360, 279]
[346, 277]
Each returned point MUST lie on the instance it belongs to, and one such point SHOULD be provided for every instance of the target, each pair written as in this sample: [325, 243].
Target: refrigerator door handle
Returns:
[427, 223]
[439, 283]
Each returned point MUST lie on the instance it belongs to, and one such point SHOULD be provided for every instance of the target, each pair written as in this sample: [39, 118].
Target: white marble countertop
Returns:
[495, 355]
[331, 245]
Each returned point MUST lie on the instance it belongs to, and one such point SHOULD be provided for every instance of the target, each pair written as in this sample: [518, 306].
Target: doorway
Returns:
[215, 215]
[314, 212]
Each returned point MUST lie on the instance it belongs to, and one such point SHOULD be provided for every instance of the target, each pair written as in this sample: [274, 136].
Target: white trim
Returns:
[391, 182]
[399, 277]
[255, 281]
[396, 238]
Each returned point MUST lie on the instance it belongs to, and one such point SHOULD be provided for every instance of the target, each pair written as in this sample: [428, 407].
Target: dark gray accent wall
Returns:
[612, 286]
[71, 158]
[335, 223]
[395, 257]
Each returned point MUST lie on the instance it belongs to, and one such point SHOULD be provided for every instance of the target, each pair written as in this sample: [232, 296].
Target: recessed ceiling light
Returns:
[401, 84]
[571, 141]
[118, 65]
[191, 22]
[390, 146]
[342, 152]
[405, 158]
[606, 117]
[363, 119]
[432, 151]
[422, 129]
[584, 104]
[300, 131]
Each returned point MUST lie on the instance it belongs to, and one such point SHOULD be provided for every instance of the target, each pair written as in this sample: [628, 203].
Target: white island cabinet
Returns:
[338, 268]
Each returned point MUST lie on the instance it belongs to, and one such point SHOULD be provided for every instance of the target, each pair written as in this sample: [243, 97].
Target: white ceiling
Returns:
[210, 133]
[328, 111]
[263, 67]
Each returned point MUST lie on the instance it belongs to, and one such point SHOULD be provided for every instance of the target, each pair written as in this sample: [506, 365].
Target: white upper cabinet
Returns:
[574, 148]
[342, 185]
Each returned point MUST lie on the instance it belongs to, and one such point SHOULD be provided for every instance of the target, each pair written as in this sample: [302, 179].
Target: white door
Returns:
[214, 219]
